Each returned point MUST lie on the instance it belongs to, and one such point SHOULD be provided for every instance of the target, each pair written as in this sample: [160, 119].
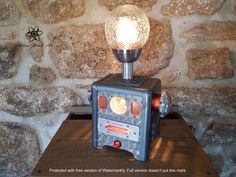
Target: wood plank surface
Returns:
[175, 153]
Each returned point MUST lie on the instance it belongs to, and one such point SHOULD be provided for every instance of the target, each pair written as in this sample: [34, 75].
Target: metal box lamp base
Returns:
[123, 116]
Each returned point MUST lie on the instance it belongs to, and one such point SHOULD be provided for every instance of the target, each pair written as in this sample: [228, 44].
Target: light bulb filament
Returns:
[126, 33]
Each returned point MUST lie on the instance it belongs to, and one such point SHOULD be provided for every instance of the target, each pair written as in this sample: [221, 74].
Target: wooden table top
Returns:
[175, 153]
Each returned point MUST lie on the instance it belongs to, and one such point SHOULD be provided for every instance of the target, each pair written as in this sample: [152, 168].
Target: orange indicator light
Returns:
[116, 129]
[135, 108]
[102, 102]
[156, 101]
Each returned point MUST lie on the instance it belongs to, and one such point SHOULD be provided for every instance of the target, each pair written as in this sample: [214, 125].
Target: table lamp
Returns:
[126, 108]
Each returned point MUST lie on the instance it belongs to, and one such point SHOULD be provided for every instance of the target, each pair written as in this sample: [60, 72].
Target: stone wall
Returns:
[52, 51]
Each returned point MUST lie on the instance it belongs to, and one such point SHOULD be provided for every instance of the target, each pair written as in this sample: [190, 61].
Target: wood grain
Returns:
[175, 153]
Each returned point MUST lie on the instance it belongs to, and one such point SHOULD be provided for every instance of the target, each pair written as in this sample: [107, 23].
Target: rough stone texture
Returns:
[217, 136]
[29, 101]
[41, 75]
[111, 4]
[9, 15]
[215, 30]
[19, 149]
[8, 35]
[36, 50]
[48, 11]
[218, 142]
[204, 101]
[9, 60]
[84, 86]
[172, 76]
[219, 133]
[157, 51]
[188, 7]
[209, 63]
[217, 162]
[233, 6]
[82, 51]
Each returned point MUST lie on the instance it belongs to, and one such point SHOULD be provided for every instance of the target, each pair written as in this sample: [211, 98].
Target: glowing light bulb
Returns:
[126, 32]
[127, 28]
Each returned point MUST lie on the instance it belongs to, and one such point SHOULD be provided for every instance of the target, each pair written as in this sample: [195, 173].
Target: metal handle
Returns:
[165, 104]
[90, 96]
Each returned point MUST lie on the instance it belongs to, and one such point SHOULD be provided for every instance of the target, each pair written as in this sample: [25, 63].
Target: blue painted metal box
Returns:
[122, 114]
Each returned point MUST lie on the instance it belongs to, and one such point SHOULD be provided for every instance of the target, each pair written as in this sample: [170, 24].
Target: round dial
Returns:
[118, 105]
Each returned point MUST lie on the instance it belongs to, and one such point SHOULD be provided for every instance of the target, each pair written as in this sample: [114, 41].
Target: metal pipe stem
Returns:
[127, 71]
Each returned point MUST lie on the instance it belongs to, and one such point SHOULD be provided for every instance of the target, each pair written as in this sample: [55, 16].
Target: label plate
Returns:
[118, 129]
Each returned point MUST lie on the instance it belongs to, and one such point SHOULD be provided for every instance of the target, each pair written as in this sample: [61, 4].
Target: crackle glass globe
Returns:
[127, 28]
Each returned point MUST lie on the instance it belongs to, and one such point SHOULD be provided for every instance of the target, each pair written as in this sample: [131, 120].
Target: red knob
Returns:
[117, 144]
[156, 101]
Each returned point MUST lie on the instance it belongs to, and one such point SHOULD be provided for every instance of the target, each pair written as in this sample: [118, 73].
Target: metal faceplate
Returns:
[126, 121]
[135, 139]
[128, 117]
